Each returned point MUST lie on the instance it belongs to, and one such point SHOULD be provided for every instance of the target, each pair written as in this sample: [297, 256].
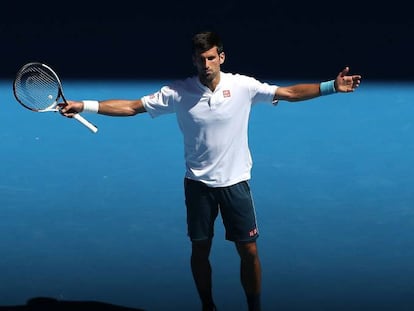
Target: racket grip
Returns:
[85, 122]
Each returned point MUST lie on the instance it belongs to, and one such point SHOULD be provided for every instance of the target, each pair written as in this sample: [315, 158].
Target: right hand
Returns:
[70, 108]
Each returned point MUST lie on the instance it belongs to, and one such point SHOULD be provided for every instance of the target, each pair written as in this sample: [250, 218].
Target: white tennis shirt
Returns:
[214, 124]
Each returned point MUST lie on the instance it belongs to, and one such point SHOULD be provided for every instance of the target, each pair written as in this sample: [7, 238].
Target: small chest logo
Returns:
[253, 232]
[226, 93]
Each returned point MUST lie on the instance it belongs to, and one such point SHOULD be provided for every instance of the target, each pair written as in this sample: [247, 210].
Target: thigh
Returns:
[202, 210]
[238, 213]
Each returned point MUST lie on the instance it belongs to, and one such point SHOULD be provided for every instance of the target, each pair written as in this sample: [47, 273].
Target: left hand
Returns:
[344, 83]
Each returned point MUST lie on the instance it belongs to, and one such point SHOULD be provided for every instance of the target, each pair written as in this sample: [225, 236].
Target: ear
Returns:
[222, 57]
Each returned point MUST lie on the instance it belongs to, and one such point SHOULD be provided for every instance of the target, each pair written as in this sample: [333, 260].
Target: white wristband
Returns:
[91, 106]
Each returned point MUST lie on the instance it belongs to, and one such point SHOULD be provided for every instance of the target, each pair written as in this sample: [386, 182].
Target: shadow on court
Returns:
[51, 304]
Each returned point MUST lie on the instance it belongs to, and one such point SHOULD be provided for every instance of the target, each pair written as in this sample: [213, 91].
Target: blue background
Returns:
[101, 216]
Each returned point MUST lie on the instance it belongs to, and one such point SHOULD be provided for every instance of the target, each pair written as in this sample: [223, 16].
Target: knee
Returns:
[201, 250]
[248, 251]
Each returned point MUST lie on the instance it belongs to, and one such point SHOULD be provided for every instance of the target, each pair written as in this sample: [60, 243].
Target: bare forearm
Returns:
[343, 83]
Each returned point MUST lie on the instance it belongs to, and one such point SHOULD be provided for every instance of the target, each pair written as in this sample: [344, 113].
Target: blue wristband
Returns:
[327, 87]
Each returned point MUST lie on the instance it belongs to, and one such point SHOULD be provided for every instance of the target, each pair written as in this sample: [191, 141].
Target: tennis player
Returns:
[212, 109]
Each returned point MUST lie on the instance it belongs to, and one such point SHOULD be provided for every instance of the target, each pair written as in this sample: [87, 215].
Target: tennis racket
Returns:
[38, 88]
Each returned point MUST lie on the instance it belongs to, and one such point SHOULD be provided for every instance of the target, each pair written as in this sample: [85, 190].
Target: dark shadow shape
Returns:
[51, 304]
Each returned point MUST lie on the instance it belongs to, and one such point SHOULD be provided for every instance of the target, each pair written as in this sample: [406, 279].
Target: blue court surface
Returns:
[101, 217]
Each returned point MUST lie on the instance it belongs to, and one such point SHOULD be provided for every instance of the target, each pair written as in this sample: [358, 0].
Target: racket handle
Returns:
[85, 122]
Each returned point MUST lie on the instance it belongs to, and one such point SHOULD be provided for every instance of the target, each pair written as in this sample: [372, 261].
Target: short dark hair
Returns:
[205, 40]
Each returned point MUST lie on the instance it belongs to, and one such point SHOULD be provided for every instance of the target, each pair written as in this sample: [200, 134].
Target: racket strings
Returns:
[36, 88]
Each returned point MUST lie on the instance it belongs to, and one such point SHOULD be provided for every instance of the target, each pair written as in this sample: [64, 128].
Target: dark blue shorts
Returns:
[235, 204]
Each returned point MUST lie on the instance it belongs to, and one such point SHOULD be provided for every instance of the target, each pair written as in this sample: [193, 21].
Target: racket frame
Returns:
[54, 106]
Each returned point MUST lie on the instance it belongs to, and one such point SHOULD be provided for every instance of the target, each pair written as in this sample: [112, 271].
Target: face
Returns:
[208, 64]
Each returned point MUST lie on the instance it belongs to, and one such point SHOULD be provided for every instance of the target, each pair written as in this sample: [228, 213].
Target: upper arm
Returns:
[120, 107]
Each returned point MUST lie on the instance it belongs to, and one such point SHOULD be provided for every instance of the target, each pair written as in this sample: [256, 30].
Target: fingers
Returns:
[347, 83]
[70, 108]
[352, 82]
[344, 72]
[356, 78]
[356, 81]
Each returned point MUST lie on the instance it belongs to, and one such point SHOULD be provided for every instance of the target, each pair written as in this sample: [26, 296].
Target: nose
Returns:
[205, 64]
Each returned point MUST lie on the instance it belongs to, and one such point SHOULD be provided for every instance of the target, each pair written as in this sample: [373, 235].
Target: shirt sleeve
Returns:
[262, 92]
[160, 102]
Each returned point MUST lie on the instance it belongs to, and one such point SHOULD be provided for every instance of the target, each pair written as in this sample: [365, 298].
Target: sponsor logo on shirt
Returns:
[253, 232]
[226, 93]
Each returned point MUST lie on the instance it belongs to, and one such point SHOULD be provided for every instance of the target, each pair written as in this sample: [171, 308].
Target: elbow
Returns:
[136, 107]
[287, 94]
[294, 99]
[291, 98]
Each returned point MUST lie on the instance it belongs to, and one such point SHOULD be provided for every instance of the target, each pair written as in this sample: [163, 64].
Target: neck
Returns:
[210, 83]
